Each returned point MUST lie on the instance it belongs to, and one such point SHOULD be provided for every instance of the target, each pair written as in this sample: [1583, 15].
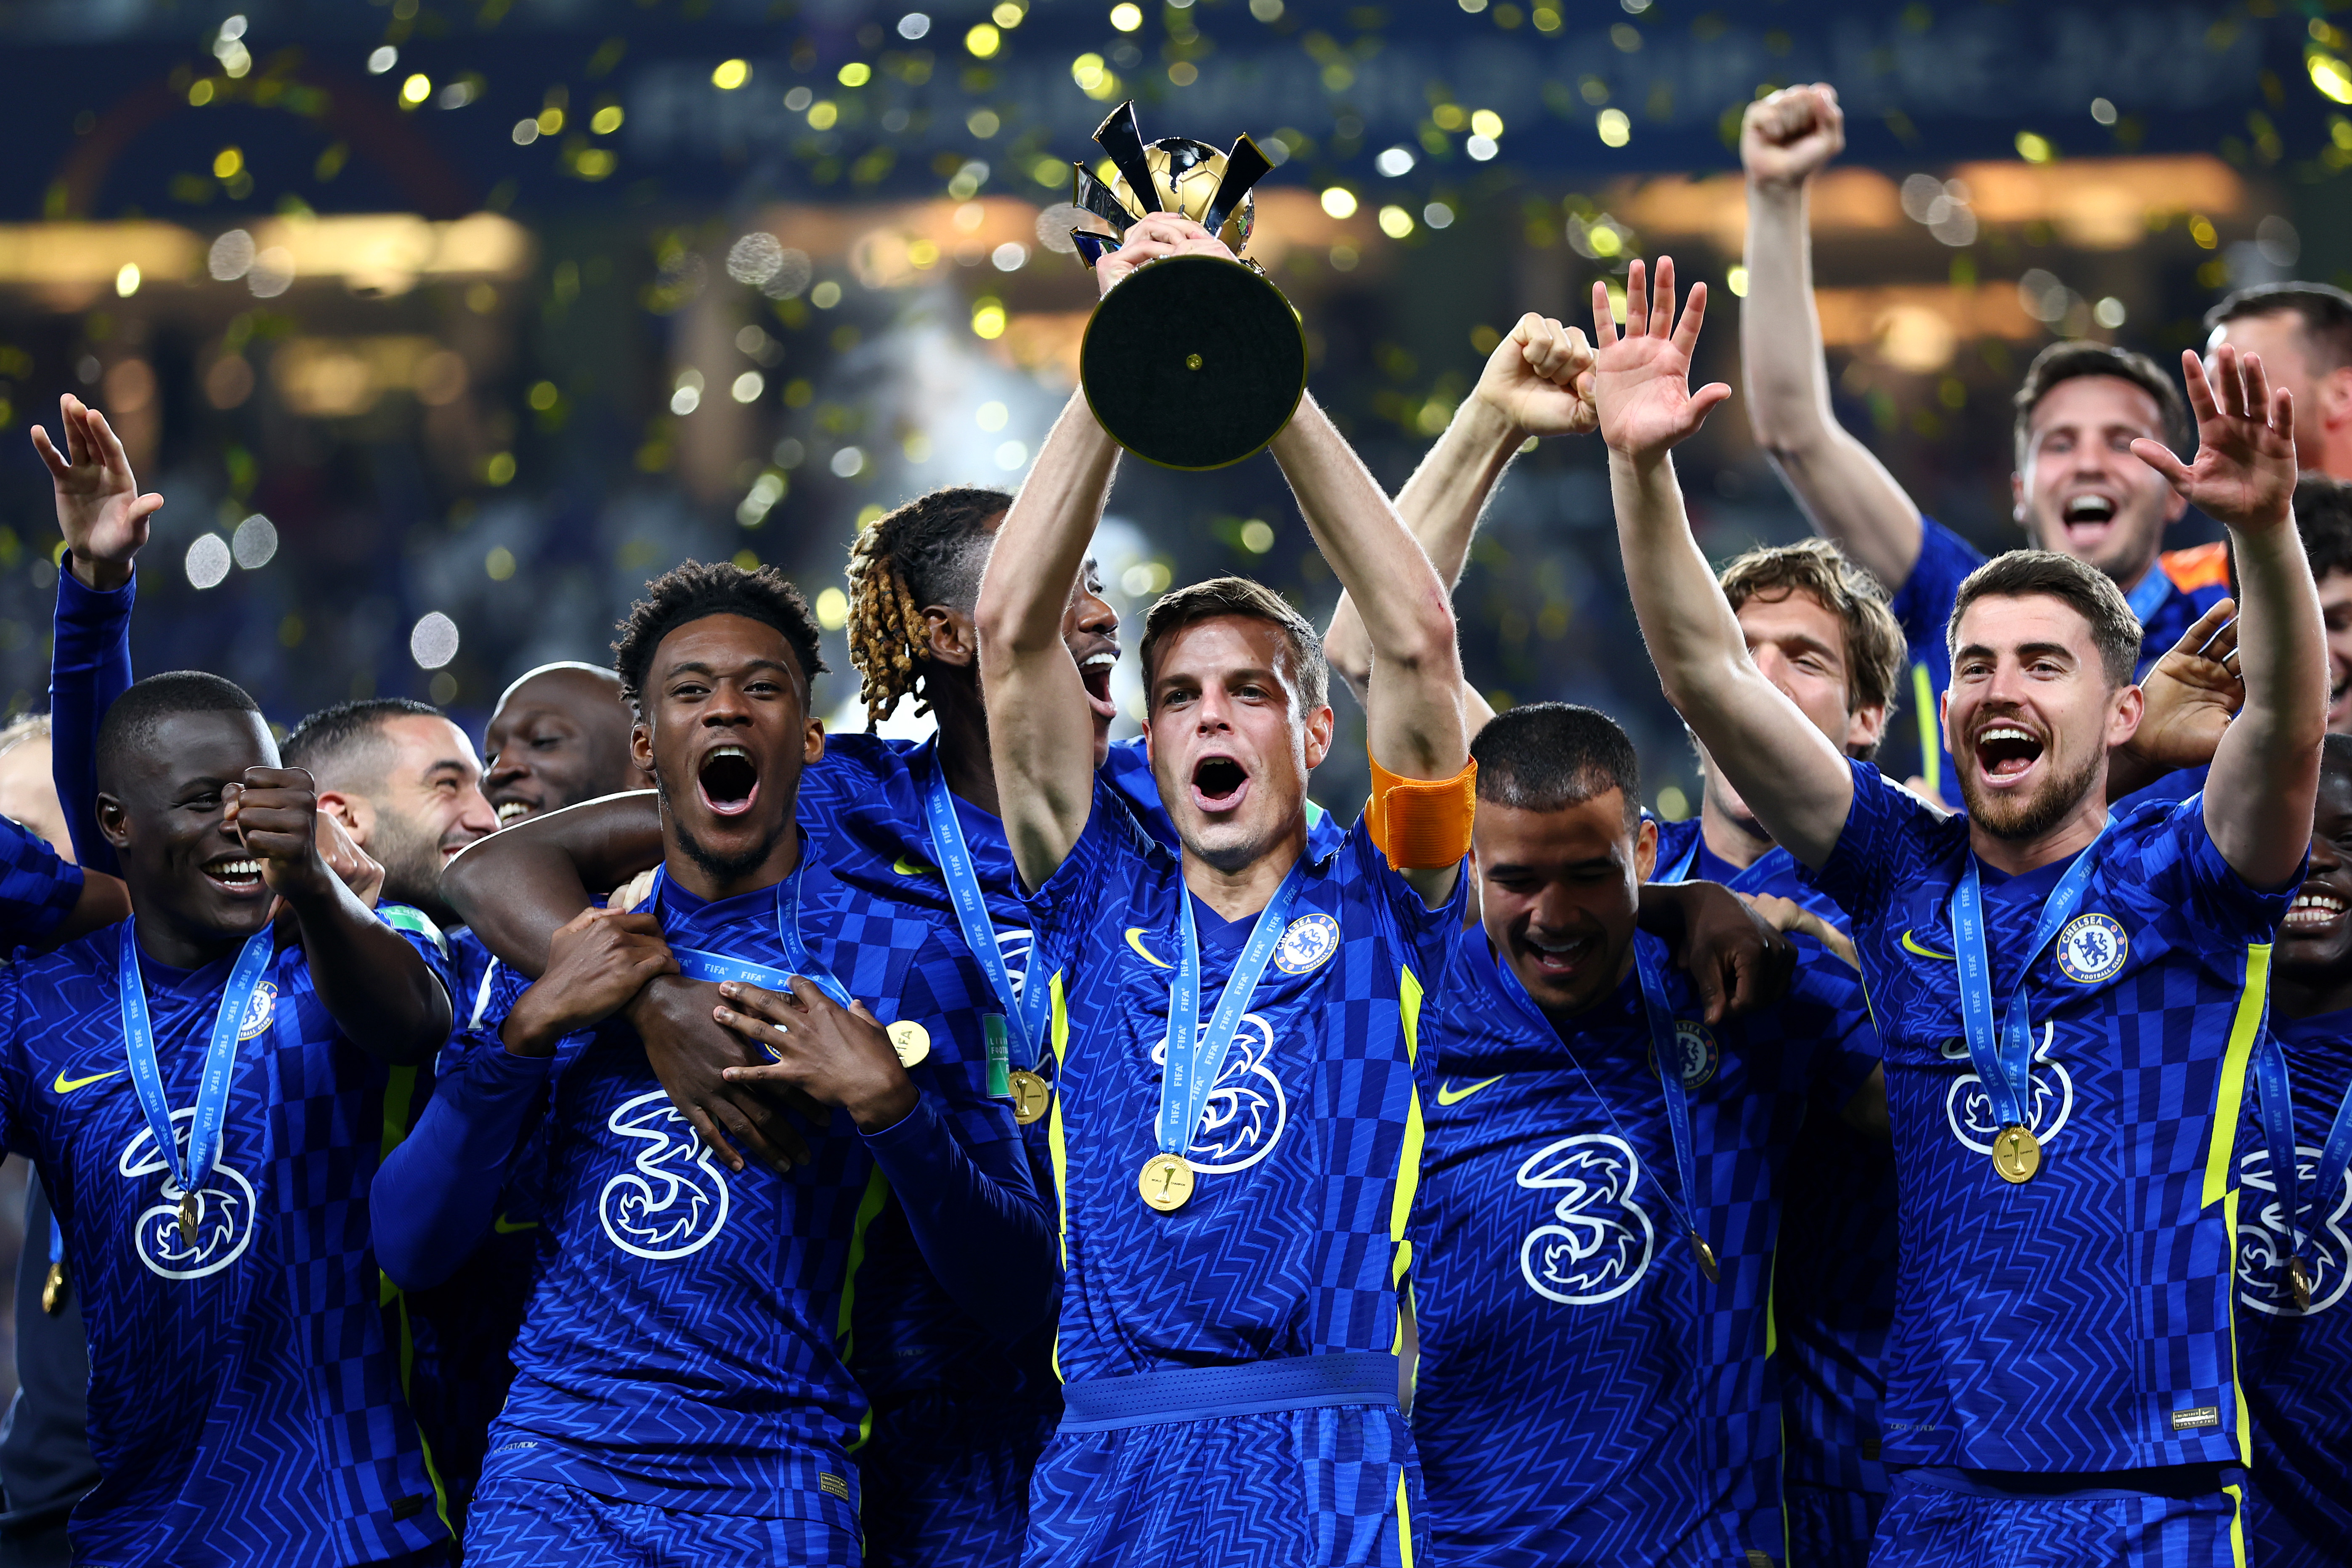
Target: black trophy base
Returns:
[1193, 363]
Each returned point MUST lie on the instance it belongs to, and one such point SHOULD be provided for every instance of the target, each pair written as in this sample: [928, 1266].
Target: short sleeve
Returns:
[1111, 852]
[1826, 1002]
[1889, 834]
[2167, 850]
[431, 946]
[1426, 936]
[37, 889]
[1923, 604]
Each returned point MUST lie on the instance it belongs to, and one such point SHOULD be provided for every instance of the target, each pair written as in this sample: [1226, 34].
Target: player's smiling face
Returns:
[2082, 493]
[725, 734]
[1230, 748]
[1799, 645]
[2030, 716]
[1559, 891]
[553, 743]
[164, 817]
[2315, 940]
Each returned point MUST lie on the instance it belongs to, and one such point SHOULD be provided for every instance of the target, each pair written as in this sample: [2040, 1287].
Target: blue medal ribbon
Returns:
[2004, 1060]
[2274, 1101]
[1027, 1005]
[717, 968]
[1665, 1045]
[189, 1169]
[1195, 1056]
[1681, 869]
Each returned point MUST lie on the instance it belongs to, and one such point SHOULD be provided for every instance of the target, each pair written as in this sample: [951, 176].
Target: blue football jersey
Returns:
[1563, 1318]
[37, 889]
[687, 1339]
[2296, 1363]
[2079, 1320]
[1305, 1155]
[1833, 1299]
[246, 1397]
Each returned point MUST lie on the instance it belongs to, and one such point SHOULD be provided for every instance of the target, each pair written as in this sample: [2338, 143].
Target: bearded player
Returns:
[2066, 1000]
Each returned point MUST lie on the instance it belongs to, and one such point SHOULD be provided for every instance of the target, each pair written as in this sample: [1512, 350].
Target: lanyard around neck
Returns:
[188, 1168]
[1196, 1056]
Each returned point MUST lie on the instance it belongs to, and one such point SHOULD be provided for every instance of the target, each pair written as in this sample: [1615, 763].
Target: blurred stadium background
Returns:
[442, 324]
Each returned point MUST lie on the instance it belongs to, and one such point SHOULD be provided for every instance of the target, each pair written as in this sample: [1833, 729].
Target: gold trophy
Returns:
[1190, 361]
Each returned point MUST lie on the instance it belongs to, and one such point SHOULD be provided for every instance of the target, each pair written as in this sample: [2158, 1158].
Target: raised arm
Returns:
[1041, 734]
[1784, 140]
[1527, 389]
[2265, 778]
[1790, 773]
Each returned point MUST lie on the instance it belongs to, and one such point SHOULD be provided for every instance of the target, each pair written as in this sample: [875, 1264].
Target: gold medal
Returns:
[188, 1219]
[1706, 1258]
[2298, 1280]
[1032, 1097]
[910, 1040]
[53, 1289]
[1165, 1181]
[2016, 1154]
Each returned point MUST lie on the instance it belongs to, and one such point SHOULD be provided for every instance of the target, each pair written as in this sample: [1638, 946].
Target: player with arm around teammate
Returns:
[2065, 1000]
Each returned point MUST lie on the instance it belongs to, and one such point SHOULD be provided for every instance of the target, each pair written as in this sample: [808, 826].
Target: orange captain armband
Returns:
[1422, 825]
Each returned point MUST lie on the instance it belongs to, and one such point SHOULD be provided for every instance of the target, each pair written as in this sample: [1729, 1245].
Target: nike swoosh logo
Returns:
[1911, 946]
[1135, 941]
[68, 1085]
[1449, 1095]
[506, 1226]
[906, 867]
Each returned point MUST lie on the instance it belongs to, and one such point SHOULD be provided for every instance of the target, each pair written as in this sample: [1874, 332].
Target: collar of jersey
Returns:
[817, 884]
[2330, 1029]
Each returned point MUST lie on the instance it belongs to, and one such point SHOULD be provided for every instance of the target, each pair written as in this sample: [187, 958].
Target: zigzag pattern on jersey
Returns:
[1285, 1248]
[37, 889]
[743, 1406]
[1924, 1527]
[1301, 1488]
[2063, 1323]
[252, 1412]
[947, 1478]
[1561, 1312]
[528, 1524]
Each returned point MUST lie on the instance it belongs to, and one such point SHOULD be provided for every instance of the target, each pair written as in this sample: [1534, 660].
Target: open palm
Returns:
[2244, 473]
[1641, 381]
[99, 509]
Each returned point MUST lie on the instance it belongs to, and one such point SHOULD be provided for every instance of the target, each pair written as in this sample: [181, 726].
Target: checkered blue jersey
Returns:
[1305, 1157]
[869, 794]
[1563, 1319]
[37, 889]
[2079, 1320]
[1833, 1299]
[688, 1338]
[246, 1393]
[2297, 1365]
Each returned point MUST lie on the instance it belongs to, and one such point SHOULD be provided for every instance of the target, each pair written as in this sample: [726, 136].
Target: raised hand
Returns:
[1641, 381]
[2191, 694]
[835, 1054]
[1788, 137]
[596, 962]
[1539, 378]
[275, 814]
[2244, 473]
[1158, 235]
[99, 509]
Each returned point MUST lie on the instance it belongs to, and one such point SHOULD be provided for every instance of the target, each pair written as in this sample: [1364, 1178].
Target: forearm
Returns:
[1786, 770]
[89, 667]
[435, 1195]
[515, 888]
[984, 1231]
[379, 992]
[1440, 506]
[1841, 486]
[2260, 793]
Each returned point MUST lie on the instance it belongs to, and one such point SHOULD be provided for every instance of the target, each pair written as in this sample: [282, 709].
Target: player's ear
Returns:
[812, 745]
[1645, 849]
[951, 637]
[1318, 737]
[113, 820]
[641, 749]
[1865, 727]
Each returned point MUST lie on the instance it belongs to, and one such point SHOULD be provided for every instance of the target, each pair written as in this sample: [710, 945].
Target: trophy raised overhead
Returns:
[1191, 361]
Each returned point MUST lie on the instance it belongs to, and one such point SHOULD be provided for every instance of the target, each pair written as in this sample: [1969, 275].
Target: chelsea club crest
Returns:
[1308, 942]
[1700, 1055]
[2092, 948]
[260, 1009]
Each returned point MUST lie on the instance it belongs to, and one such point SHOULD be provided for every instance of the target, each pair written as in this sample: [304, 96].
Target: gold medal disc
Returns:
[2298, 1280]
[1165, 1181]
[1032, 1097]
[2016, 1154]
[53, 1289]
[910, 1040]
[188, 1219]
[1706, 1258]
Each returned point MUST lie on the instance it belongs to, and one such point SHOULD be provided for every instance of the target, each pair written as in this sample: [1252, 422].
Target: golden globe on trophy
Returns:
[1190, 361]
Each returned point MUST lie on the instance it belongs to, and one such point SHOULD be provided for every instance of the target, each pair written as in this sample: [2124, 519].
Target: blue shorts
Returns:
[1932, 1523]
[1285, 1489]
[945, 1479]
[1829, 1526]
[517, 1521]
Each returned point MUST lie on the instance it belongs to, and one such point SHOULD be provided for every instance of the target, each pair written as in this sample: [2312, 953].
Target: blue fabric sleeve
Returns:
[1888, 833]
[976, 1218]
[435, 1195]
[37, 889]
[1923, 604]
[89, 667]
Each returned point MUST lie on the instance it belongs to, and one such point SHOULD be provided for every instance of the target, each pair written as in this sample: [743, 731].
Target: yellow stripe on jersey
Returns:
[2237, 1526]
[1931, 744]
[1054, 1142]
[1404, 1525]
[1408, 1175]
[869, 1205]
[2220, 1150]
[2237, 1383]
